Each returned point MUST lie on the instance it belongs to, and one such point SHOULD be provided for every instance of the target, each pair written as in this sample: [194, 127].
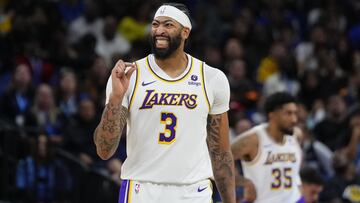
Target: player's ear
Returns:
[185, 33]
[270, 115]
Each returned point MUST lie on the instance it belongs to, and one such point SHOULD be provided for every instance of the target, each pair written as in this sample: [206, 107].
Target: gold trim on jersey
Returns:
[170, 81]
[211, 187]
[130, 191]
[204, 88]
[136, 84]
[257, 157]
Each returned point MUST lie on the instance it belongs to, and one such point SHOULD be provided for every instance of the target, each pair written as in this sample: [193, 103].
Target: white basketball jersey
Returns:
[275, 169]
[166, 129]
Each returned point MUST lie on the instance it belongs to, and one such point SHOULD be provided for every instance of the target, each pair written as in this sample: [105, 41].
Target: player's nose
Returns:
[160, 30]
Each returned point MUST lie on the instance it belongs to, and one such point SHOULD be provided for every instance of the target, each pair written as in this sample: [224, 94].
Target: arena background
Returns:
[56, 56]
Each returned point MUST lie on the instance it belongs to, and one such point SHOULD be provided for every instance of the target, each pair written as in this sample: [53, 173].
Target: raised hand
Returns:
[120, 77]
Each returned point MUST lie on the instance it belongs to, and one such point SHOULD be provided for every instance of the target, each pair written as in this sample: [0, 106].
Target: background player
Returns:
[175, 107]
[270, 154]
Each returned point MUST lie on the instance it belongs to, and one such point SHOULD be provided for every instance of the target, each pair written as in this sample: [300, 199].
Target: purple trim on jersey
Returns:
[122, 194]
[301, 200]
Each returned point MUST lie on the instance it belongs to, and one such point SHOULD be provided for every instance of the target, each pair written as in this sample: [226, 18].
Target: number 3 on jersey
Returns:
[170, 121]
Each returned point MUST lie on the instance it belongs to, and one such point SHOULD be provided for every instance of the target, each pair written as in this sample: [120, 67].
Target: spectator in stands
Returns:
[312, 184]
[70, 9]
[41, 177]
[89, 23]
[233, 50]
[68, 97]
[327, 131]
[331, 76]
[310, 89]
[350, 138]
[316, 154]
[17, 100]
[46, 114]
[135, 26]
[95, 81]
[306, 52]
[110, 42]
[285, 79]
[79, 134]
[270, 64]
[241, 126]
[345, 185]
[243, 90]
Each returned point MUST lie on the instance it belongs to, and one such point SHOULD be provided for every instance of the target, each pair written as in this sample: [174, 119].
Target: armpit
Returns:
[245, 147]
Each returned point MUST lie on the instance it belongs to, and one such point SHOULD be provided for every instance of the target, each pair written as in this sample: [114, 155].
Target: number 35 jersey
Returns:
[166, 127]
[275, 169]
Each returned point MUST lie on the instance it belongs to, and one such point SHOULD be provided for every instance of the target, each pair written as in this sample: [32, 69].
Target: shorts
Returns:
[132, 191]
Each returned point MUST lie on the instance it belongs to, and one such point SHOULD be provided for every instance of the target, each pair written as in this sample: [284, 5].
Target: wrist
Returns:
[116, 100]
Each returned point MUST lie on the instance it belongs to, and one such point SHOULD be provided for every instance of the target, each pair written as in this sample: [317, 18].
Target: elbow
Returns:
[104, 155]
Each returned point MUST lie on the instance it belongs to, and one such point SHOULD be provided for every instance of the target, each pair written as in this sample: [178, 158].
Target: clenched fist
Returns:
[120, 77]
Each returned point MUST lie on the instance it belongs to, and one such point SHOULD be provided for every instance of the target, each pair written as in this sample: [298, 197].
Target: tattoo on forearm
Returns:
[113, 117]
[221, 159]
[108, 133]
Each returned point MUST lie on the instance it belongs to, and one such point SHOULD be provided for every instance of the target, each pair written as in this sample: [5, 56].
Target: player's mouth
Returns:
[162, 42]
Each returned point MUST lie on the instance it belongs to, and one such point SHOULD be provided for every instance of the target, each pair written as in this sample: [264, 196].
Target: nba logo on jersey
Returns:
[137, 188]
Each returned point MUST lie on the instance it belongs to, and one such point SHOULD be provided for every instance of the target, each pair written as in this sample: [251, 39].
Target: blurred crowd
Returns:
[56, 57]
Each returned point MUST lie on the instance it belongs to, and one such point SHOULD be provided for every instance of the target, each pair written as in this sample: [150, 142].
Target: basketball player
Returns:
[175, 107]
[270, 154]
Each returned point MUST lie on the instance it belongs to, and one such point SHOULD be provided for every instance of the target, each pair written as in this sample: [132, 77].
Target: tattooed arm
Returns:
[220, 154]
[108, 132]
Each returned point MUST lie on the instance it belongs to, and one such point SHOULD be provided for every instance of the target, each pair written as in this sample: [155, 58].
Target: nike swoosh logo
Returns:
[201, 189]
[144, 84]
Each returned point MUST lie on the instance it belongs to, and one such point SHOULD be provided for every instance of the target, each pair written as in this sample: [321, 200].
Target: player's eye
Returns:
[155, 24]
[168, 25]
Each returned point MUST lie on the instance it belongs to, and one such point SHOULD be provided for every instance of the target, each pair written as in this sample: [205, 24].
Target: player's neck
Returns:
[275, 134]
[174, 65]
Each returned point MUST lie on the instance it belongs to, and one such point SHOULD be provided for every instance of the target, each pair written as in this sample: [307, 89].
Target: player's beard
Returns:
[163, 53]
[287, 131]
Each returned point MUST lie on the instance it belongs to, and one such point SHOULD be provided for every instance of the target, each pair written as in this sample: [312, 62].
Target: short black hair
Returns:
[311, 175]
[277, 100]
[181, 7]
